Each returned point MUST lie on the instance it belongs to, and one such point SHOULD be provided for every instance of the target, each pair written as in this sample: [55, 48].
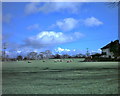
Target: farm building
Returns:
[111, 50]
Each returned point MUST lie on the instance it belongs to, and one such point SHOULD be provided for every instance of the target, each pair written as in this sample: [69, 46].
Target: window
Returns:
[103, 53]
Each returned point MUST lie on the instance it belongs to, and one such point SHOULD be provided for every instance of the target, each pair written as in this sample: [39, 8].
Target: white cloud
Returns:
[78, 35]
[7, 52]
[99, 50]
[60, 50]
[74, 49]
[71, 52]
[49, 38]
[92, 21]
[34, 26]
[6, 18]
[96, 51]
[49, 7]
[67, 24]
[19, 51]
[31, 8]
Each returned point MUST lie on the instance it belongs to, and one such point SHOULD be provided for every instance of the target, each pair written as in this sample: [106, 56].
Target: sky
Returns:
[62, 27]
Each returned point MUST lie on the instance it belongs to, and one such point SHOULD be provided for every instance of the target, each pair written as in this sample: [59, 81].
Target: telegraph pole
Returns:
[87, 52]
[4, 51]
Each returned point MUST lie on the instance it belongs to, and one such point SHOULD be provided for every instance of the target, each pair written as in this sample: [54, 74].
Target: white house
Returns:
[106, 53]
[106, 50]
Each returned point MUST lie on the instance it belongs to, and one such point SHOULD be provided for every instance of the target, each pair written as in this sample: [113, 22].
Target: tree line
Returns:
[47, 55]
[40, 56]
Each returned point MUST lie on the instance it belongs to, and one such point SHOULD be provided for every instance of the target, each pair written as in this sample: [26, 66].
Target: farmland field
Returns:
[49, 77]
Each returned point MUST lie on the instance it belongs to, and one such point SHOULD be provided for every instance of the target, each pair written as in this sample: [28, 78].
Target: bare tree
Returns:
[65, 56]
[32, 55]
[42, 55]
[116, 3]
[48, 53]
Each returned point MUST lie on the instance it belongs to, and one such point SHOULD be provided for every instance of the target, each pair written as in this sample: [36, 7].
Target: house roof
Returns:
[97, 54]
[111, 43]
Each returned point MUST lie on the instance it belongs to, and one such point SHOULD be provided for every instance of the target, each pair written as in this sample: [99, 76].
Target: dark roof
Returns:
[111, 43]
[97, 54]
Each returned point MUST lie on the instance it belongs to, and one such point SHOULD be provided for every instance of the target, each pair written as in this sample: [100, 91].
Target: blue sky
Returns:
[60, 27]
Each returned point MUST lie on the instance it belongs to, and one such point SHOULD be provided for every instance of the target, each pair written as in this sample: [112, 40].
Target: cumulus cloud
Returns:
[34, 26]
[60, 50]
[74, 49]
[18, 51]
[99, 50]
[67, 24]
[49, 38]
[78, 35]
[31, 8]
[68, 51]
[49, 7]
[92, 21]
[96, 51]
[6, 18]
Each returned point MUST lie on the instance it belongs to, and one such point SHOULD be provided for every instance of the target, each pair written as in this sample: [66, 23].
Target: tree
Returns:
[48, 53]
[57, 56]
[114, 4]
[7, 57]
[19, 57]
[32, 55]
[42, 55]
[65, 56]
[38, 56]
[79, 55]
[25, 58]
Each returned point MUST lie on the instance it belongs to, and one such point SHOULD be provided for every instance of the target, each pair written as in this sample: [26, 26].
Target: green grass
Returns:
[49, 77]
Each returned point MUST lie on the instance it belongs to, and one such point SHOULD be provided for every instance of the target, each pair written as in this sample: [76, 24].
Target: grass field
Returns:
[51, 77]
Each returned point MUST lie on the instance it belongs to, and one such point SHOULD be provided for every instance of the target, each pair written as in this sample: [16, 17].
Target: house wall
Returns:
[108, 53]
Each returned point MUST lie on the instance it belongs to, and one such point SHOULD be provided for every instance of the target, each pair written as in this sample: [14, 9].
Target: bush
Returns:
[105, 59]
